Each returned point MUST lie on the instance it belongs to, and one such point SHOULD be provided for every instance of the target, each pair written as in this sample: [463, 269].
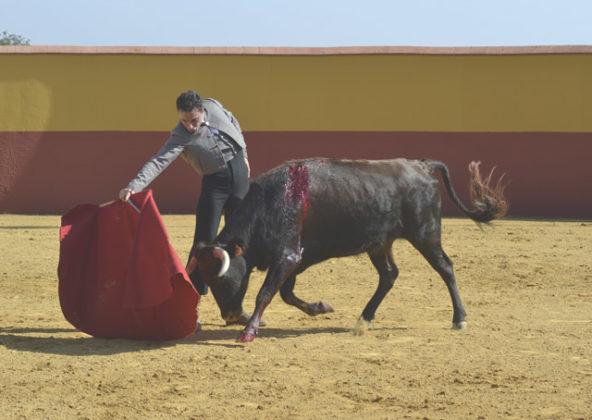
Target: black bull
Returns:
[305, 212]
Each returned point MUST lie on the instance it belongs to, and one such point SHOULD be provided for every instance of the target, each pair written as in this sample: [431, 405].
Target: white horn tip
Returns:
[225, 261]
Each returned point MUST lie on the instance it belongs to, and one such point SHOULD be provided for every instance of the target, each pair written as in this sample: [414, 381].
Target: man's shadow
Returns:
[56, 341]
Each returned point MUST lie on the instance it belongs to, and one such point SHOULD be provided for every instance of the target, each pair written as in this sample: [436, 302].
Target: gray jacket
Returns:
[200, 149]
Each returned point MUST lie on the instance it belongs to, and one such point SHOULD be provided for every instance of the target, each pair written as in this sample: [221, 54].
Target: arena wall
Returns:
[77, 123]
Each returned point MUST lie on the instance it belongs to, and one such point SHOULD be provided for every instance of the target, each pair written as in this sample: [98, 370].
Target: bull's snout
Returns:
[239, 317]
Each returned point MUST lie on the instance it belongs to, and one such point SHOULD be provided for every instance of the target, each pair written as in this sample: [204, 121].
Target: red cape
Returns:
[119, 276]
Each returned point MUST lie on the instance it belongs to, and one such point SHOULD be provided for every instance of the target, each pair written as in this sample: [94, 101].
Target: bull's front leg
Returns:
[276, 276]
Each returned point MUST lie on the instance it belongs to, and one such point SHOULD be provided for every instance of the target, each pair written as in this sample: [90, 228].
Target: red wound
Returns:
[297, 189]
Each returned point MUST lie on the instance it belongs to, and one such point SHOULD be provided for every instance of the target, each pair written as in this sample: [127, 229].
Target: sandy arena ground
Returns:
[526, 354]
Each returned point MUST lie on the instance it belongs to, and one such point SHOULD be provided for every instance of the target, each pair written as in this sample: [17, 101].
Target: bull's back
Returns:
[357, 205]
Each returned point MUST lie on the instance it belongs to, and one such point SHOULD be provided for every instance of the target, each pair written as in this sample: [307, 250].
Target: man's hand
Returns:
[125, 194]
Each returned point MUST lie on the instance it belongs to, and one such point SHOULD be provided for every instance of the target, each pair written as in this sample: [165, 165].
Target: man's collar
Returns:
[205, 118]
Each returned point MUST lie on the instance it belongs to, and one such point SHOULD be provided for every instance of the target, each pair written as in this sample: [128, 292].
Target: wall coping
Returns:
[295, 51]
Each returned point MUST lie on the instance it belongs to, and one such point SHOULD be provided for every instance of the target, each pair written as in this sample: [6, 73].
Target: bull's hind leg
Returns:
[431, 248]
[287, 294]
[388, 271]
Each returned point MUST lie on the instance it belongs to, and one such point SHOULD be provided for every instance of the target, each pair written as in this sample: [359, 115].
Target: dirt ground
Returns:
[527, 351]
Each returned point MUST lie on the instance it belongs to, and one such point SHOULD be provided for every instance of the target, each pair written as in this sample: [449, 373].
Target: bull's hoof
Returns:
[459, 325]
[361, 327]
[321, 308]
[246, 336]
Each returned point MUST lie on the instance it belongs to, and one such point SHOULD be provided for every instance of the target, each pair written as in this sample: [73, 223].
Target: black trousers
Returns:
[221, 193]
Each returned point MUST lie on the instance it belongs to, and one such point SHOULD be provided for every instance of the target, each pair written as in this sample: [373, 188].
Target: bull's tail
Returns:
[488, 201]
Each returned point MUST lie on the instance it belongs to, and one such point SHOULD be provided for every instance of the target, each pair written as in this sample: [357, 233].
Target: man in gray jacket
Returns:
[209, 138]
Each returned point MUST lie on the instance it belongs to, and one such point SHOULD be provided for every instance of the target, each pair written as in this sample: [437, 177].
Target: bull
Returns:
[305, 212]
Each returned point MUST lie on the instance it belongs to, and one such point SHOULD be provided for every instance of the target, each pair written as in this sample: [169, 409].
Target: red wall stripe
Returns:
[548, 174]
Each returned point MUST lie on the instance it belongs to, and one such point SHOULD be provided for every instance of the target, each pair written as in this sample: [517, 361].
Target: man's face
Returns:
[191, 120]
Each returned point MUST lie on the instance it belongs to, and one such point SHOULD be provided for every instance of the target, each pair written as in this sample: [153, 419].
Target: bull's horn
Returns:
[222, 255]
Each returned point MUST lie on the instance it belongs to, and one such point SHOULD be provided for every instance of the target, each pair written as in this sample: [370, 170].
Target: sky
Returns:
[301, 23]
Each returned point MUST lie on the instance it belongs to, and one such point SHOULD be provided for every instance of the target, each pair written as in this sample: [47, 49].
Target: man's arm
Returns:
[154, 167]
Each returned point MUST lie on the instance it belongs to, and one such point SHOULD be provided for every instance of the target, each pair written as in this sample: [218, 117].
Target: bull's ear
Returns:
[237, 247]
[238, 250]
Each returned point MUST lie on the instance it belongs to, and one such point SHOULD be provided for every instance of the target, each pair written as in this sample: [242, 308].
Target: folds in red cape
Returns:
[119, 276]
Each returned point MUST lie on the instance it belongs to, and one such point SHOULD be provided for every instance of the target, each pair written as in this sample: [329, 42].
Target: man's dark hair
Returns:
[189, 100]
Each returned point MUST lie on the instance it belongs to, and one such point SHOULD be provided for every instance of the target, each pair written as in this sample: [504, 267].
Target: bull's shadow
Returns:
[20, 339]
[232, 333]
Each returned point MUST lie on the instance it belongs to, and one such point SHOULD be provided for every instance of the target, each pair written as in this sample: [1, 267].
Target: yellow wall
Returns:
[91, 117]
[388, 92]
